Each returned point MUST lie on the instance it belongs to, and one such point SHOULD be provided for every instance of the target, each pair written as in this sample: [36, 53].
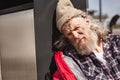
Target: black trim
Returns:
[17, 8]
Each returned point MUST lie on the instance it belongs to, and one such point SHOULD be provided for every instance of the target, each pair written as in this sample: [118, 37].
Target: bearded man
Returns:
[85, 50]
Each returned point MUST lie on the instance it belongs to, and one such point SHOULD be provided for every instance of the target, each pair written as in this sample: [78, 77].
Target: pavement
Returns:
[116, 31]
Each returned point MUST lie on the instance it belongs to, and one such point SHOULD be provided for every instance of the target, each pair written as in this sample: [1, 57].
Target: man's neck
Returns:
[98, 48]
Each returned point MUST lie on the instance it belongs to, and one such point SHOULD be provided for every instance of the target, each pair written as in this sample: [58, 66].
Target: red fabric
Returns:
[57, 76]
[63, 72]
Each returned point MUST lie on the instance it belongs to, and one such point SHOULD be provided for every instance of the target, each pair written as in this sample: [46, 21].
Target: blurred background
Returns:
[106, 11]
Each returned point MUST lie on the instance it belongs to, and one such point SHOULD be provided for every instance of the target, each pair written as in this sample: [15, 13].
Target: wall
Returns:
[17, 46]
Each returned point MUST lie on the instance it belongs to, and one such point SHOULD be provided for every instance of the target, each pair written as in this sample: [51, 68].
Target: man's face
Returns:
[78, 32]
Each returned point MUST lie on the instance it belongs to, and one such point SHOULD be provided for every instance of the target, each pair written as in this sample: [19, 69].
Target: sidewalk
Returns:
[116, 31]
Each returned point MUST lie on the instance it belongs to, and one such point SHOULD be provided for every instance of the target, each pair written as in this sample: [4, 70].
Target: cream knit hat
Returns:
[65, 11]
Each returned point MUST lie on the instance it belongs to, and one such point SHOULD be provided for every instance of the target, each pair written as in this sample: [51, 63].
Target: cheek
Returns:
[88, 32]
[70, 38]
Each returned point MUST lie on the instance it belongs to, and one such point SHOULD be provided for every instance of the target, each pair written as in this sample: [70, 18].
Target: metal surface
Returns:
[4, 4]
[0, 67]
[18, 46]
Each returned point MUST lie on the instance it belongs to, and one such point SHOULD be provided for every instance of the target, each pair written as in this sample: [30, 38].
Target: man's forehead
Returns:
[75, 20]
[72, 22]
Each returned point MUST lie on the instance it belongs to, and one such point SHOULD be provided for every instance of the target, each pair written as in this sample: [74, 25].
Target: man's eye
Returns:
[80, 33]
[76, 28]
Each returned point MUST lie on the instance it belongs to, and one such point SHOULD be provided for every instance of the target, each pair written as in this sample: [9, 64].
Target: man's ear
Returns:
[87, 20]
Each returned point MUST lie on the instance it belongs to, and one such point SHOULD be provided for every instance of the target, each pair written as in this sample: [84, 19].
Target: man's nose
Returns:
[75, 34]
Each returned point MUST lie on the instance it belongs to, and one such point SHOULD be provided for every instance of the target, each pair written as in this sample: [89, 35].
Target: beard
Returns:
[88, 45]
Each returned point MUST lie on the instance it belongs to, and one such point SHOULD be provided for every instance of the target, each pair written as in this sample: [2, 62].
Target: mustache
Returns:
[80, 39]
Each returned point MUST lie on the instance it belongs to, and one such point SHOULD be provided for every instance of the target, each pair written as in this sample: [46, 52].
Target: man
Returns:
[86, 51]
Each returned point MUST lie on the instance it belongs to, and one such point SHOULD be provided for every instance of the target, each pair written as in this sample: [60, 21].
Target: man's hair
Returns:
[97, 27]
[60, 43]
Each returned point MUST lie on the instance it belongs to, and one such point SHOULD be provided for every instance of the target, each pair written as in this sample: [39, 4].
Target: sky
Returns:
[109, 7]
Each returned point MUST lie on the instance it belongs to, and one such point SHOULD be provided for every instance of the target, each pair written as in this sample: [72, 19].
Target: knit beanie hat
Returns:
[64, 12]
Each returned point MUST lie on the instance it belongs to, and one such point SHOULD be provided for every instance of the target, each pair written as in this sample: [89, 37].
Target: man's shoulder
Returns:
[114, 40]
[114, 37]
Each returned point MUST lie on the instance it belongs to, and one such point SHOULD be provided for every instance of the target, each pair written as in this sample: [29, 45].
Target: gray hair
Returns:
[100, 29]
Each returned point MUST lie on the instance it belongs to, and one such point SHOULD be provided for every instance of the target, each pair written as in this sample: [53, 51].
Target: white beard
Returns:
[85, 48]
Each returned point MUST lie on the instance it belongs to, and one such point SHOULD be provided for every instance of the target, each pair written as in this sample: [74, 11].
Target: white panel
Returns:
[17, 43]
[0, 67]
